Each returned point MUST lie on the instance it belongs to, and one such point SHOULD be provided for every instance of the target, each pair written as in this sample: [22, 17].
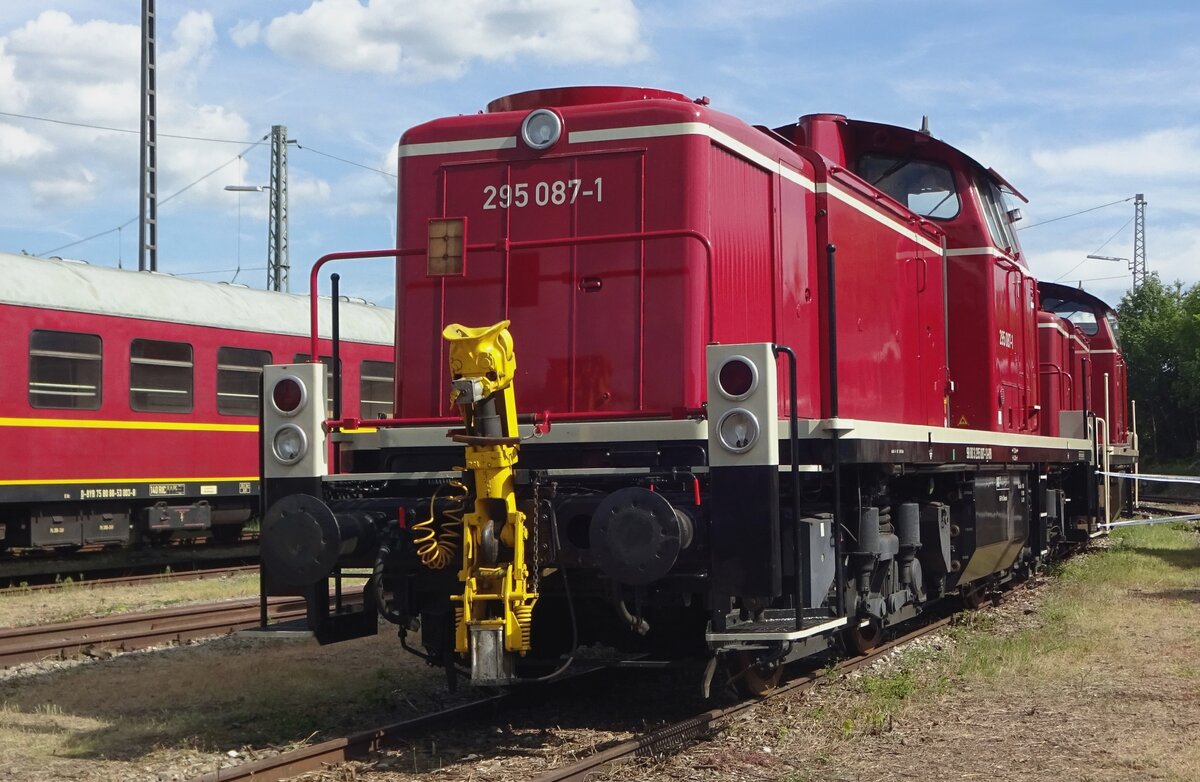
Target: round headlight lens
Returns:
[737, 378]
[289, 444]
[541, 129]
[738, 430]
[289, 395]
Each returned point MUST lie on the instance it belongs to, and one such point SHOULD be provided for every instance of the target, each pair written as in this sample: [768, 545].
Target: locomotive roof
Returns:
[78, 287]
[1067, 293]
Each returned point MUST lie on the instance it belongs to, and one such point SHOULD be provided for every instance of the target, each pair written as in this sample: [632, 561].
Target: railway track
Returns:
[28, 570]
[148, 578]
[668, 738]
[127, 632]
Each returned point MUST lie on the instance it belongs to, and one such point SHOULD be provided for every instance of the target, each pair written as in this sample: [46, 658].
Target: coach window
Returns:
[925, 187]
[303, 358]
[238, 373]
[160, 376]
[64, 370]
[375, 385]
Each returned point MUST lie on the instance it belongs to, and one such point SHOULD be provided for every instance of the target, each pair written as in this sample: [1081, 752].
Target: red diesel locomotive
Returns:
[135, 398]
[747, 390]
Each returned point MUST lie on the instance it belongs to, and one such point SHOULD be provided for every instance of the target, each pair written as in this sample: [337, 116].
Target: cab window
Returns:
[1075, 312]
[996, 213]
[925, 187]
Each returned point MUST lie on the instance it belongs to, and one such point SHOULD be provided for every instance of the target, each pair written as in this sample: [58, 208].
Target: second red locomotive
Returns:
[747, 390]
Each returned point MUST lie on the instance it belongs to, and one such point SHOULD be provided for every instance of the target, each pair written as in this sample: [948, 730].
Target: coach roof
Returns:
[78, 287]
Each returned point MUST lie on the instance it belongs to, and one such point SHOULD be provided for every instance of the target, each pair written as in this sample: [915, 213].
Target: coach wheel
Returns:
[863, 635]
[757, 678]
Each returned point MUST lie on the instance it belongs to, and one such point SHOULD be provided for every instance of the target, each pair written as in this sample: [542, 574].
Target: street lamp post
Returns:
[277, 264]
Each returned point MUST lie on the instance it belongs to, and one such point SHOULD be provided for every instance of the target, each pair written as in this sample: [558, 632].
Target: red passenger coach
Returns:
[130, 401]
[709, 388]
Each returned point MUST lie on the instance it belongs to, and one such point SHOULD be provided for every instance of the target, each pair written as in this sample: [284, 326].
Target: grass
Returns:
[1109, 649]
[22, 607]
[1084, 617]
[233, 693]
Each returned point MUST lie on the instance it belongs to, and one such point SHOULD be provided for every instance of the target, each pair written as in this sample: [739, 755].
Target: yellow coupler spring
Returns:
[482, 367]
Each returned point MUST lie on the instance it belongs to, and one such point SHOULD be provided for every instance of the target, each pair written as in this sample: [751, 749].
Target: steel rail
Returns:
[675, 736]
[126, 632]
[363, 744]
[340, 750]
[146, 578]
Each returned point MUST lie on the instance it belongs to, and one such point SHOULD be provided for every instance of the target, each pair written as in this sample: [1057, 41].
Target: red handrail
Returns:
[507, 246]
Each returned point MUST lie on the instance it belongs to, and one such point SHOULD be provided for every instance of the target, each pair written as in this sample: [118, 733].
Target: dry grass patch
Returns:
[22, 608]
[1093, 677]
[155, 712]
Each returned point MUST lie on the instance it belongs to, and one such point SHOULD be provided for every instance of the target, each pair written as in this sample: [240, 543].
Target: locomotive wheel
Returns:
[972, 595]
[753, 680]
[862, 638]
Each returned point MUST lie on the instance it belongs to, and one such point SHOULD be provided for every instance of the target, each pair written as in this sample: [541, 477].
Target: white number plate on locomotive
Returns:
[555, 193]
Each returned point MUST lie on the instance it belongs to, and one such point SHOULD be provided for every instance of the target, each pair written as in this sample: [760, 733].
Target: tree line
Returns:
[1160, 338]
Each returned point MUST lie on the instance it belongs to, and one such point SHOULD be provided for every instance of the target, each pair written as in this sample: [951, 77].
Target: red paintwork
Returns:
[1103, 356]
[619, 330]
[81, 455]
[990, 292]
[1064, 361]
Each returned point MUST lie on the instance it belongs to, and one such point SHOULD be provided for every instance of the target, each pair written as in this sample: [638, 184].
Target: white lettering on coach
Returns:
[1006, 339]
[979, 454]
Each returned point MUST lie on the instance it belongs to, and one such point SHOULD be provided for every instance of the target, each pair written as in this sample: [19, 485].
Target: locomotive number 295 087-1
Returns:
[556, 193]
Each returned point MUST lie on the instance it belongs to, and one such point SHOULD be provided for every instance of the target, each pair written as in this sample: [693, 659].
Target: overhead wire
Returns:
[1076, 214]
[161, 202]
[249, 146]
[344, 160]
[118, 130]
[1093, 252]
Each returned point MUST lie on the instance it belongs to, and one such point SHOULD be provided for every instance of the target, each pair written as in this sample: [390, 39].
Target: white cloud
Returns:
[1170, 152]
[88, 72]
[65, 190]
[440, 40]
[19, 146]
[194, 38]
[13, 94]
[245, 33]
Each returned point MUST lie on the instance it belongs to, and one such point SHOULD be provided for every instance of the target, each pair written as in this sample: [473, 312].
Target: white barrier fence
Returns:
[1152, 478]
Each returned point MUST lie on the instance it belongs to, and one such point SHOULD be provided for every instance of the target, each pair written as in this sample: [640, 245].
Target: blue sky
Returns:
[1077, 108]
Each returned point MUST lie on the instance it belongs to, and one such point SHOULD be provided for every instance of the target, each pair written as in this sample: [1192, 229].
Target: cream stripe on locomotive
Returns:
[667, 130]
[82, 423]
[756, 157]
[689, 429]
[995, 252]
[1074, 337]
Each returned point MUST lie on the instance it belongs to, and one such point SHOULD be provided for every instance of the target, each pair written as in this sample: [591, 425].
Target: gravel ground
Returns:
[1109, 695]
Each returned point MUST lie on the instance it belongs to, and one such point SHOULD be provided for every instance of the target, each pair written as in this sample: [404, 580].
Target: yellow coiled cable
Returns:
[436, 549]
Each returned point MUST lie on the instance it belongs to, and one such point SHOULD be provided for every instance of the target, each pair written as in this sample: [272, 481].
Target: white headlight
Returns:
[737, 430]
[289, 444]
[541, 128]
